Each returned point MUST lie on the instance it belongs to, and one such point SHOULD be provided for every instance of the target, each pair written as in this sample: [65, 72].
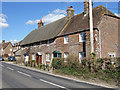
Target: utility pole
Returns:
[91, 27]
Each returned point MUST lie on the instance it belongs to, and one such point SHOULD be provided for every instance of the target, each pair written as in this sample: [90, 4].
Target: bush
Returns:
[43, 66]
[75, 65]
[57, 63]
[72, 62]
[47, 67]
[107, 69]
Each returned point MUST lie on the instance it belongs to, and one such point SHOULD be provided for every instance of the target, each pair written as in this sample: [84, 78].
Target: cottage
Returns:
[71, 35]
[6, 49]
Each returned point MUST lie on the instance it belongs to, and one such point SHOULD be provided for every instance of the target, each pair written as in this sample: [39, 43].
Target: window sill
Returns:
[82, 41]
[48, 60]
[65, 43]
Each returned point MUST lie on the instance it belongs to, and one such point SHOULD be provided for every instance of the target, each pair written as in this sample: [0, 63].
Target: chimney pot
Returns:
[40, 23]
[3, 41]
[70, 12]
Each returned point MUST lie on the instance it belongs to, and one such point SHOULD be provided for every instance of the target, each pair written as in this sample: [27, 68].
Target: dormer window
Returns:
[82, 37]
[66, 40]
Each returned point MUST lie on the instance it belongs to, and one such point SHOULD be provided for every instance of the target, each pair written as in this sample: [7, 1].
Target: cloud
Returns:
[3, 25]
[51, 17]
[117, 14]
[58, 11]
[3, 21]
[3, 15]
[13, 41]
[32, 22]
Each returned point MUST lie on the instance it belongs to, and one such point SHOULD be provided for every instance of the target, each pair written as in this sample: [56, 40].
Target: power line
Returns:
[113, 9]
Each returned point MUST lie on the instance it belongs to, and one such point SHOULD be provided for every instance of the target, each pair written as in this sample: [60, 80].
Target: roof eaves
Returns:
[7, 45]
[77, 32]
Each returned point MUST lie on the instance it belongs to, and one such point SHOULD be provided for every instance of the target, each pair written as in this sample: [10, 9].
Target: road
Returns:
[20, 77]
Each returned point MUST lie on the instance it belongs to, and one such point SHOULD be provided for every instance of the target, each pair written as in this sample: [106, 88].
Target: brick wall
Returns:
[73, 46]
[109, 35]
[7, 50]
[96, 43]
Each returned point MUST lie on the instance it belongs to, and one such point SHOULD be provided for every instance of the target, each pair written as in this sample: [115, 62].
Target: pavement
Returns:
[15, 76]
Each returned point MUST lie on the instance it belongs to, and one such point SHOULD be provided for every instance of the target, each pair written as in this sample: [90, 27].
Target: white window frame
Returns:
[48, 42]
[66, 40]
[47, 57]
[81, 54]
[33, 57]
[66, 54]
[81, 36]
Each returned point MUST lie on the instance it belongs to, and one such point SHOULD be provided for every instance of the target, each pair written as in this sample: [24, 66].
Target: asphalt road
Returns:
[19, 77]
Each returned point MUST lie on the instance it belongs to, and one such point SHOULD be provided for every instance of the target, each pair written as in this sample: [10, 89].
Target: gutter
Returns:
[76, 32]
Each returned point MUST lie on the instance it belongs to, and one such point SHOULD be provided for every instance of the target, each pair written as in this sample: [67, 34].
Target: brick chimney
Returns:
[70, 12]
[40, 24]
[86, 6]
[3, 41]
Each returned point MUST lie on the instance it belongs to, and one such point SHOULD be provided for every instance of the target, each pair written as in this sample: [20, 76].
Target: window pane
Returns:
[82, 37]
[82, 55]
[66, 39]
[48, 56]
[59, 55]
[65, 55]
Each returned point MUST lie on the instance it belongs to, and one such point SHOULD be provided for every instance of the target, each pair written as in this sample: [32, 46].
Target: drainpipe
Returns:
[99, 41]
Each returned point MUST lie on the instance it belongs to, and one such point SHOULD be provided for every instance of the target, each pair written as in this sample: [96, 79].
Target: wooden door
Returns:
[40, 58]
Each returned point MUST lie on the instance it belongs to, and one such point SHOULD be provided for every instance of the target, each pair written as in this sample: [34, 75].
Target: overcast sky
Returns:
[18, 19]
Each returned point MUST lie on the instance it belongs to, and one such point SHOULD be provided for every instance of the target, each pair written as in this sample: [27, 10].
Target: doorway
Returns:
[38, 58]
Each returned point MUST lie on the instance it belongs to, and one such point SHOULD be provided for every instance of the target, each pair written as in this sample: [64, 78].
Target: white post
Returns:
[91, 26]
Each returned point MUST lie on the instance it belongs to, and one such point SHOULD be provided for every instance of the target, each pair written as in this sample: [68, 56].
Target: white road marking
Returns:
[1, 65]
[52, 83]
[10, 68]
[24, 74]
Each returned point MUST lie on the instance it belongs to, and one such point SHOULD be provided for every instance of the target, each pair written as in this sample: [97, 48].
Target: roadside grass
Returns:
[101, 69]
[102, 75]
[6, 60]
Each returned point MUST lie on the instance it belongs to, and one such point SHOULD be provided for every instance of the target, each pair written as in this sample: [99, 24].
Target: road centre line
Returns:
[52, 83]
[24, 74]
[10, 68]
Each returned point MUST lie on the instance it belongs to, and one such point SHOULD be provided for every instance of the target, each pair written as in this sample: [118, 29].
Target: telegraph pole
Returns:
[91, 27]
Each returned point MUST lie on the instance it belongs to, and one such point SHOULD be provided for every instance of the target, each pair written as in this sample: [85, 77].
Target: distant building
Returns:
[17, 50]
[71, 35]
[6, 49]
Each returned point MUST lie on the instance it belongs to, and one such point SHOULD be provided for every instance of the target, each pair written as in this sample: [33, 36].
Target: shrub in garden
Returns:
[72, 61]
[57, 63]
[47, 67]
[43, 66]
